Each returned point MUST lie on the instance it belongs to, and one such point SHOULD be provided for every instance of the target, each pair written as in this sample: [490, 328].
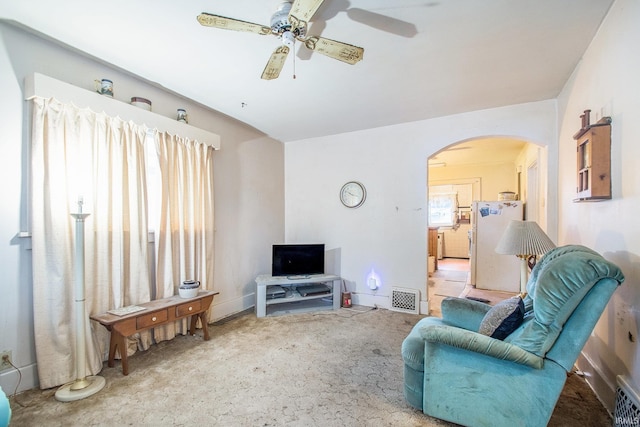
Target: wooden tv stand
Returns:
[156, 313]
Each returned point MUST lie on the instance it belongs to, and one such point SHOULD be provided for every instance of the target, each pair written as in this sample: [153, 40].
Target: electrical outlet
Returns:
[5, 358]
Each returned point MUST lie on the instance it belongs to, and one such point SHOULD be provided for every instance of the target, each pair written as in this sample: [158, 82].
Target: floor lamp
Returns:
[83, 386]
[524, 239]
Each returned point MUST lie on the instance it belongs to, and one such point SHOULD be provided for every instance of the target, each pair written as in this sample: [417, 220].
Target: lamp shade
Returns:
[524, 238]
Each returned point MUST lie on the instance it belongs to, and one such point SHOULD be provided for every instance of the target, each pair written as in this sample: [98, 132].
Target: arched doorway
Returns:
[473, 170]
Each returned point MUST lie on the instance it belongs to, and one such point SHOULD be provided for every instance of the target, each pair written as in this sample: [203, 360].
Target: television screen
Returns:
[297, 260]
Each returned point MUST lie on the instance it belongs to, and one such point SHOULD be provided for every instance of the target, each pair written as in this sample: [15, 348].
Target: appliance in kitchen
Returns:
[490, 270]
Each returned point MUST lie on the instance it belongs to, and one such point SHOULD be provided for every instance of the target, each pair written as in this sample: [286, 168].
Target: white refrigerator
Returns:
[490, 270]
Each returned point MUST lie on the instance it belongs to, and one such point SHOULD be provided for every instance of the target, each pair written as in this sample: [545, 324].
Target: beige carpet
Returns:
[331, 368]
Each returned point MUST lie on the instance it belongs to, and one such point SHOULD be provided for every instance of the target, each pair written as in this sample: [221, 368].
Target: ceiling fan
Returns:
[289, 23]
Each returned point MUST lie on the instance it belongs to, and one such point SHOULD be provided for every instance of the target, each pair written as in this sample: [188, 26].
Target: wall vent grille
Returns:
[405, 300]
[627, 410]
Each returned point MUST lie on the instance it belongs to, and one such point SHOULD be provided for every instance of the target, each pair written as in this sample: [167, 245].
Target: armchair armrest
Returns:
[478, 343]
[463, 313]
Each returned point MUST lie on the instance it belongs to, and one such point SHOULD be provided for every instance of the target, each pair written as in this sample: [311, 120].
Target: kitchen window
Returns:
[443, 209]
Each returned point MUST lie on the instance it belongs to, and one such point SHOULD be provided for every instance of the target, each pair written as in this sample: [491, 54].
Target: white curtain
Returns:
[186, 232]
[77, 153]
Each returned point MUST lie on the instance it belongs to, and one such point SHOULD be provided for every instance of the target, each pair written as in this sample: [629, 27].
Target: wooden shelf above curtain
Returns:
[46, 87]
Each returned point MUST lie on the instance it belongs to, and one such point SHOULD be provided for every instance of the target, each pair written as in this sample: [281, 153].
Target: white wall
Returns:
[249, 183]
[388, 233]
[606, 81]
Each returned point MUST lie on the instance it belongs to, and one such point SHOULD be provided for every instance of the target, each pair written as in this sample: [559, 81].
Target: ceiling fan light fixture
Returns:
[288, 38]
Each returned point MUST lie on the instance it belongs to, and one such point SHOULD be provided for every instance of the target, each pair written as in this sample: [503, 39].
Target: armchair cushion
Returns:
[503, 318]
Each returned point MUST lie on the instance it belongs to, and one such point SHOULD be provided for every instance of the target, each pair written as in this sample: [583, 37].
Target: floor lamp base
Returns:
[71, 392]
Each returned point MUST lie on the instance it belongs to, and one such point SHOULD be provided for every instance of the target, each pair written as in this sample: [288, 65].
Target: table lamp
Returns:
[524, 239]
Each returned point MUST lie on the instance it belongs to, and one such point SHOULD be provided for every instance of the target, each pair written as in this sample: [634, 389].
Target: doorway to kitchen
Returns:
[449, 219]
[494, 166]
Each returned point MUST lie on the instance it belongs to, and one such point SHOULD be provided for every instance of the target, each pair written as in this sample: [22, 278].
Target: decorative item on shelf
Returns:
[526, 240]
[104, 87]
[507, 196]
[189, 288]
[182, 115]
[586, 123]
[139, 102]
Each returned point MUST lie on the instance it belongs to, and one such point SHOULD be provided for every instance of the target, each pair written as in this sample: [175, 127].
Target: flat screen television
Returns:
[297, 260]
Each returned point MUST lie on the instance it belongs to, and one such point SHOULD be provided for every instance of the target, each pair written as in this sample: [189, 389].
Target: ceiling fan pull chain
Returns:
[294, 59]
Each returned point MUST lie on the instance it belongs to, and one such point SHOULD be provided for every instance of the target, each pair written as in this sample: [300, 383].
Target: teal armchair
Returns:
[5, 409]
[454, 373]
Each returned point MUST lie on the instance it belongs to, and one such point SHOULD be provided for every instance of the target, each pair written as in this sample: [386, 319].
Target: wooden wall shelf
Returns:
[593, 155]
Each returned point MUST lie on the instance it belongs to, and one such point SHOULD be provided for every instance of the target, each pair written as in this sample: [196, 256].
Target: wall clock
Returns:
[353, 194]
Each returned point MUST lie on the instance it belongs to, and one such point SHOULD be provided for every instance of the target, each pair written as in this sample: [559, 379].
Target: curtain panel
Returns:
[79, 154]
[185, 243]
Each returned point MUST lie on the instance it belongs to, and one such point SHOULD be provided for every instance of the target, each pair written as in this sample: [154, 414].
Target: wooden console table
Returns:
[156, 313]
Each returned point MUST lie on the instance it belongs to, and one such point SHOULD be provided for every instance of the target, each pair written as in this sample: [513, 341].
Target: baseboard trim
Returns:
[604, 389]
[370, 300]
[9, 379]
[234, 306]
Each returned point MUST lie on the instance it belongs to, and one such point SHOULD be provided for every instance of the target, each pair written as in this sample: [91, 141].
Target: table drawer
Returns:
[188, 308]
[151, 319]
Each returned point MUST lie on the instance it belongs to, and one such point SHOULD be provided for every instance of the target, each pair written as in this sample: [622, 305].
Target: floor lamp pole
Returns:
[83, 386]
[524, 273]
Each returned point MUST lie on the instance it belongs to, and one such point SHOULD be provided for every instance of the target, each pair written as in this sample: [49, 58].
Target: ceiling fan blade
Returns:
[303, 10]
[275, 64]
[317, 27]
[337, 50]
[209, 20]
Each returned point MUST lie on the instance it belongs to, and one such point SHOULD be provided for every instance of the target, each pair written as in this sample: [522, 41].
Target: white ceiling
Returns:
[422, 59]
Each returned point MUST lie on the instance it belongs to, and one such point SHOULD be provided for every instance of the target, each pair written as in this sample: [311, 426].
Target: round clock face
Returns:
[353, 194]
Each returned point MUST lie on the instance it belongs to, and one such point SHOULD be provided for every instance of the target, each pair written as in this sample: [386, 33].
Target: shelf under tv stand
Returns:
[294, 302]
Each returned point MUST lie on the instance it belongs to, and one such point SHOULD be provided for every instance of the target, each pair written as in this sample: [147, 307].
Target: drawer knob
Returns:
[190, 308]
[154, 318]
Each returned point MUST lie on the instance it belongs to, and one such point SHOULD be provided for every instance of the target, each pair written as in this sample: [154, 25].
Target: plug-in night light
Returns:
[373, 281]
